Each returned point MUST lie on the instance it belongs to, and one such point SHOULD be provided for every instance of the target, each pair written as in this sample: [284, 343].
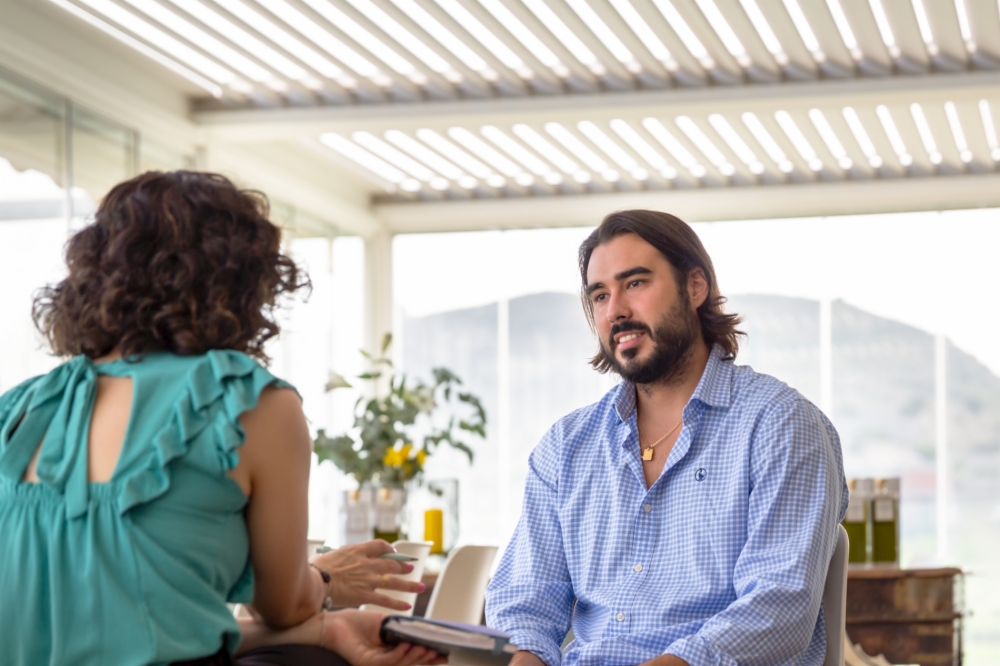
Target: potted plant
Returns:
[397, 431]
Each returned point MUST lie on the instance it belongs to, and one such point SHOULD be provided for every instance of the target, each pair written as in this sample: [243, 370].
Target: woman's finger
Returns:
[387, 602]
[402, 585]
[418, 655]
[374, 548]
[391, 657]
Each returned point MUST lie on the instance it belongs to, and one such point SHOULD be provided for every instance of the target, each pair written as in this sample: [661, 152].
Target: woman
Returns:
[162, 471]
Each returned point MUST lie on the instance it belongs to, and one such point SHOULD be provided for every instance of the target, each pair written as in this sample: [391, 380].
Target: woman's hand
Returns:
[354, 635]
[357, 573]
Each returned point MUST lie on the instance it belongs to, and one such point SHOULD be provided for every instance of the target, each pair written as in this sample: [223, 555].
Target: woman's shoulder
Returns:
[32, 386]
[15, 395]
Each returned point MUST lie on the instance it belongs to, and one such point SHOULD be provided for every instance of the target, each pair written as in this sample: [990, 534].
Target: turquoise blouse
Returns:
[136, 570]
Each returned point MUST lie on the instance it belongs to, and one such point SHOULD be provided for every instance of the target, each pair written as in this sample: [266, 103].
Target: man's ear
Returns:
[697, 285]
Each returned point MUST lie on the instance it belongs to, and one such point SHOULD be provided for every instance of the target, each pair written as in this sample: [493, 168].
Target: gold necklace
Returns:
[647, 453]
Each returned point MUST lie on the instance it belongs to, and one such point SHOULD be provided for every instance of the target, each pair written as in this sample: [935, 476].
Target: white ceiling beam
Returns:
[906, 31]
[618, 78]
[254, 125]
[697, 21]
[45, 44]
[544, 78]
[509, 82]
[821, 21]
[783, 27]
[738, 20]
[947, 33]
[298, 187]
[582, 76]
[401, 88]
[653, 74]
[698, 205]
[865, 29]
[691, 72]
[984, 20]
[472, 84]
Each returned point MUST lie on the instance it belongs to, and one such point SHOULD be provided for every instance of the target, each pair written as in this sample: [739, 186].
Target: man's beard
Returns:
[673, 340]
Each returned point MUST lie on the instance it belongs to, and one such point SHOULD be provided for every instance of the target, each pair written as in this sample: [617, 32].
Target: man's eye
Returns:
[635, 283]
[599, 297]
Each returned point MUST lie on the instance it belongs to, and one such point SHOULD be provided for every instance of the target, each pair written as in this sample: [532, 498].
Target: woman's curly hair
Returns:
[183, 262]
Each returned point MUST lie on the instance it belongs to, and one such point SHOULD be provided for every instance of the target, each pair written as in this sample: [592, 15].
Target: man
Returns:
[690, 514]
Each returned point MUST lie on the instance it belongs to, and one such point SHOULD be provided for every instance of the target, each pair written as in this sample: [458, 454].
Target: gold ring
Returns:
[385, 581]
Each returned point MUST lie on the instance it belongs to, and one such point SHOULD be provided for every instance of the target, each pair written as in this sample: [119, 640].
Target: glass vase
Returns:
[390, 514]
[356, 515]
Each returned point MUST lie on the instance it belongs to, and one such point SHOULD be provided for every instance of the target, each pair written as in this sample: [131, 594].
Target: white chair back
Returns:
[835, 601]
[419, 550]
[460, 591]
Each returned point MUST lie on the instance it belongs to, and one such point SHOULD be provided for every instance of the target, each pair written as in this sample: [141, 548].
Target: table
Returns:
[912, 616]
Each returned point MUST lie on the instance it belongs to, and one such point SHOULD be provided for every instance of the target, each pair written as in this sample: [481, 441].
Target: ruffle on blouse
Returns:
[218, 389]
[227, 379]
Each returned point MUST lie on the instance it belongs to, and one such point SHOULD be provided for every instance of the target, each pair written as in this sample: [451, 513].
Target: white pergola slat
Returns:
[347, 75]
[604, 47]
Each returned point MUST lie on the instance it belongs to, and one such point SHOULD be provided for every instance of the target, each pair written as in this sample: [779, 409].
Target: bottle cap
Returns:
[888, 486]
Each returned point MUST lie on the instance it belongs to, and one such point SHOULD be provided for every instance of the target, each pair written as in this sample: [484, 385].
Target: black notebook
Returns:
[445, 637]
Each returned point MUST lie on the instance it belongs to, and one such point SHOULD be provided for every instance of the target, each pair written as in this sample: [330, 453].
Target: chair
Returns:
[419, 550]
[835, 601]
[460, 591]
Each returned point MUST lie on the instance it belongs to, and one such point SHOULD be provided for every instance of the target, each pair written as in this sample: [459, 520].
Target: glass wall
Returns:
[499, 309]
[323, 331]
[33, 129]
[887, 322]
[103, 154]
[34, 170]
[50, 146]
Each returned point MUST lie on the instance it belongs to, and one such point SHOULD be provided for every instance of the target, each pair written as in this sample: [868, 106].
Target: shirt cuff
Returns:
[540, 647]
[699, 651]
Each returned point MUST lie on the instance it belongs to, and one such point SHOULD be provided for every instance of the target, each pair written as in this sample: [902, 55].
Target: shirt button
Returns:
[620, 617]
[647, 507]
[637, 568]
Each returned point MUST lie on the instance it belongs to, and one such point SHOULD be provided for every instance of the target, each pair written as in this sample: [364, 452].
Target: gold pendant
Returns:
[647, 454]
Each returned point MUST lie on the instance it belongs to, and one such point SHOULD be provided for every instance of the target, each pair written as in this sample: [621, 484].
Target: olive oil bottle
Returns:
[857, 521]
[885, 522]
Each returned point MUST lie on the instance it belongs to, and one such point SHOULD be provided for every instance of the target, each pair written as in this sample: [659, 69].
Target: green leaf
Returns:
[386, 341]
[396, 418]
[335, 381]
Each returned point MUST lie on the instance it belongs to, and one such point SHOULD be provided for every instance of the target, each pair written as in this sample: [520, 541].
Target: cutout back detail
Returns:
[106, 432]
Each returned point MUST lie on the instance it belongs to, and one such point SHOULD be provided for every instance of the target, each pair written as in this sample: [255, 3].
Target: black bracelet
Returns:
[325, 575]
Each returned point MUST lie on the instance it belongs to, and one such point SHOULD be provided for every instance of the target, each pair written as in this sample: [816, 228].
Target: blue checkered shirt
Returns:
[721, 561]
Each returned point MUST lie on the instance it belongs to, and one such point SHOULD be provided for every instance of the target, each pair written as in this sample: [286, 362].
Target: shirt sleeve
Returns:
[798, 496]
[531, 596]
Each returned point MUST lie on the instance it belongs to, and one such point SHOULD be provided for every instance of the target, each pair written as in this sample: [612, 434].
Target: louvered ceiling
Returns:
[419, 54]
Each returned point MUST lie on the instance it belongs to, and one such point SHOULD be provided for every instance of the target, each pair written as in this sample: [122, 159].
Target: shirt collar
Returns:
[713, 389]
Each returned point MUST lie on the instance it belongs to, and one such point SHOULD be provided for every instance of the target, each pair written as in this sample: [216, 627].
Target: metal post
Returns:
[378, 296]
[943, 485]
[503, 415]
[826, 356]
[68, 166]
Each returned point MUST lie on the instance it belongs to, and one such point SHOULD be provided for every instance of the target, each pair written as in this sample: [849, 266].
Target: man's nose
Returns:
[618, 308]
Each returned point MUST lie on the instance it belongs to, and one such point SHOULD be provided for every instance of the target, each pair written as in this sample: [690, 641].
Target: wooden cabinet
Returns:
[912, 616]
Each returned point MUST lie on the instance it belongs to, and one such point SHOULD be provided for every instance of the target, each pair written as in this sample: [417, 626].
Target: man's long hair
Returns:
[683, 250]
